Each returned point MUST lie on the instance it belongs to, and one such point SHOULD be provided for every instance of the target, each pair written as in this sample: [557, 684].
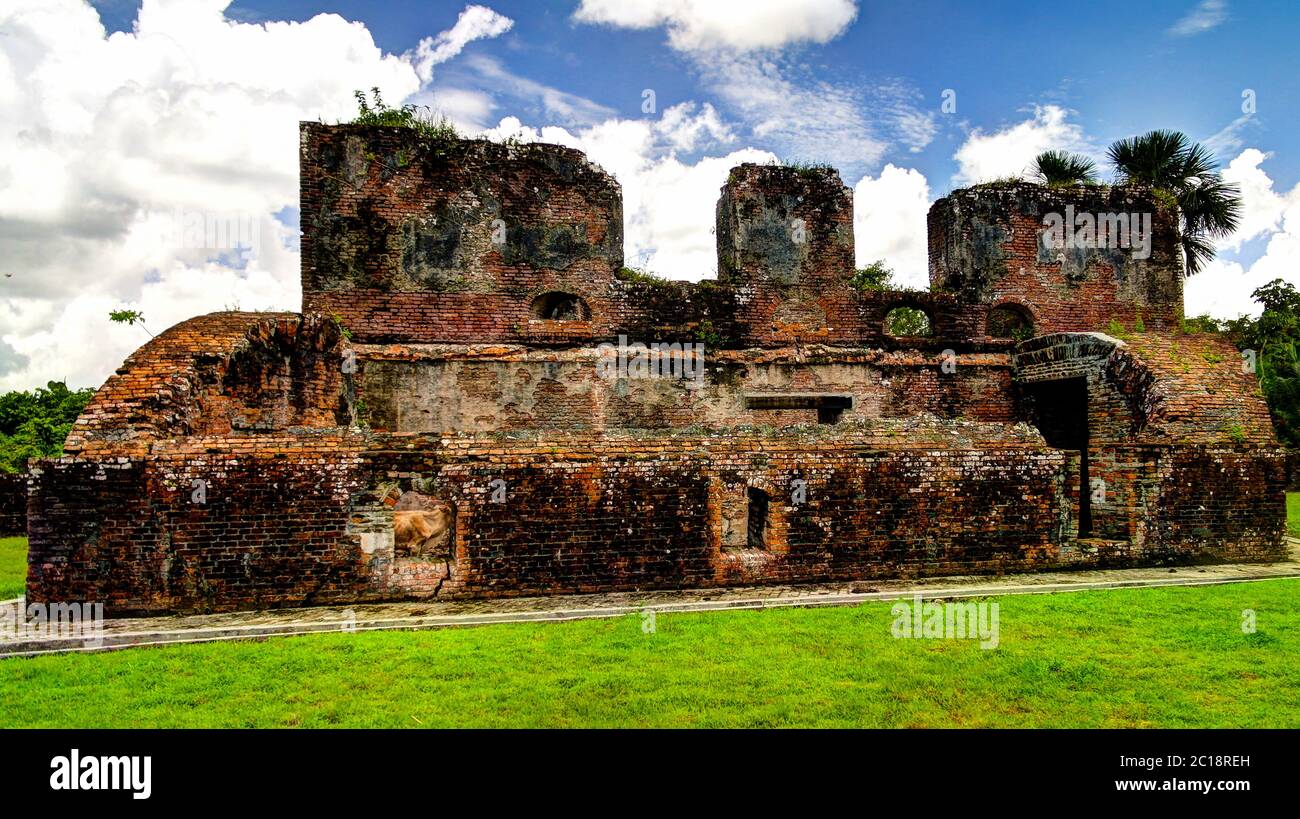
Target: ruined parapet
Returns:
[785, 245]
[217, 374]
[1071, 259]
[1179, 457]
[410, 237]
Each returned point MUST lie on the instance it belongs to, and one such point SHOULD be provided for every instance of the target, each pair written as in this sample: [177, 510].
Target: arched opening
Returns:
[559, 306]
[1010, 321]
[908, 322]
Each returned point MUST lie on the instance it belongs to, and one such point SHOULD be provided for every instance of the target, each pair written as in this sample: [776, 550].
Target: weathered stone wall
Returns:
[302, 519]
[13, 504]
[989, 245]
[418, 388]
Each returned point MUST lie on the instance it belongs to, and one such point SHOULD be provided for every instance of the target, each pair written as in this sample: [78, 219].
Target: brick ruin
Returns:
[460, 300]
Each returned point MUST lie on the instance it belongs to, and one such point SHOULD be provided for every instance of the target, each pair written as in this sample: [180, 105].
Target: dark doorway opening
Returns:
[1060, 411]
[757, 524]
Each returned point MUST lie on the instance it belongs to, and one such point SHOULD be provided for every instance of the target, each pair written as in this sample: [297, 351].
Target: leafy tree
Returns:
[1275, 339]
[1064, 168]
[875, 276]
[1186, 172]
[907, 321]
[35, 424]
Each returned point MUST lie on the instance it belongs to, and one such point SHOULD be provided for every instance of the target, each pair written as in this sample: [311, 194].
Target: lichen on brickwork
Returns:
[438, 422]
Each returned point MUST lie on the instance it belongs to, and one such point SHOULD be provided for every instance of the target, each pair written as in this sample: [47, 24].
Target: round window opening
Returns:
[908, 322]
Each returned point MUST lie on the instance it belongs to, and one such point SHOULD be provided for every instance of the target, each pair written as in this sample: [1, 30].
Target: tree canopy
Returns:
[35, 424]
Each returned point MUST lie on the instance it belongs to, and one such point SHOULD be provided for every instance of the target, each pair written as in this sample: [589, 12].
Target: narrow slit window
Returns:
[757, 528]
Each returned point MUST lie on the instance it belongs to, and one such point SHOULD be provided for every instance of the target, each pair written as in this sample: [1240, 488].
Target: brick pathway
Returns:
[145, 631]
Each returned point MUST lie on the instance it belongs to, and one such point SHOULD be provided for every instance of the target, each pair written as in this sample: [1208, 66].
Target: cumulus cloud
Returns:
[1011, 151]
[116, 139]
[1269, 218]
[739, 50]
[733, 25]
[667, 203]
[1204, 16]
[889, 213]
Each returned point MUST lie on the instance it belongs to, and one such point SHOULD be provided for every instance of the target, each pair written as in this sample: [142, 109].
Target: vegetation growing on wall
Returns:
[375, 111]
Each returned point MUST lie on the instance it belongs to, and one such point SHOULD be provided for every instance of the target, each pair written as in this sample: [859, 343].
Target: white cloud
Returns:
[739, 49]
[556, 105]
[1011, 151]
[805, 119]
[1230, 138]
[667, 204]
[1206, 15]
[1223, 289]
[474, 23]
[734, 25]
[889, 223]
[1263, 208]
[110, 135]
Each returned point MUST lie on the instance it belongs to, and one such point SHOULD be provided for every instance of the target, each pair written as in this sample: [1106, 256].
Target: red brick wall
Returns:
[227, 464]
[283, 521]
[987, 245]
[256, 372]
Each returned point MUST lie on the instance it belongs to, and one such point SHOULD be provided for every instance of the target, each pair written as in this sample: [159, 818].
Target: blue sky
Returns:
[1118, 64]
[122, 119]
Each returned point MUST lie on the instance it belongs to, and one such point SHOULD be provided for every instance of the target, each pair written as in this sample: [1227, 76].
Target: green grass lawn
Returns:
[13, 566]
[1147, 657]
[1173, 657]
[1293, 513]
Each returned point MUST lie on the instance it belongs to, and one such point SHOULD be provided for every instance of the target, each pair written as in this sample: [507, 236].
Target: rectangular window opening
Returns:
[757, 523]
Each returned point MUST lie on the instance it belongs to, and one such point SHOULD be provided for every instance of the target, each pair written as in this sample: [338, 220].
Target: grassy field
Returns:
[13, 566]
[1175, 657]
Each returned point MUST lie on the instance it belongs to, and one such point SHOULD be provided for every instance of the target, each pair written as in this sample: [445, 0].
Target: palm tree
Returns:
[1063, 168]
[1185, 171]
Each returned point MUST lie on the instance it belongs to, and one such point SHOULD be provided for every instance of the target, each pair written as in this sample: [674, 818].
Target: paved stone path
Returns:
[147, 631]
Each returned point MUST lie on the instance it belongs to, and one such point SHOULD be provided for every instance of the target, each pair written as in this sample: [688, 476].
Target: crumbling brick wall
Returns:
[991, 244]
[412, 388]
[299, 520]
[1161, 409]
[456, 297]
[257, 372]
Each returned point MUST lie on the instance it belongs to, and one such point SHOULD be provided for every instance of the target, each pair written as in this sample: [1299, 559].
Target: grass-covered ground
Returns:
[13, 566]
[1173, 657]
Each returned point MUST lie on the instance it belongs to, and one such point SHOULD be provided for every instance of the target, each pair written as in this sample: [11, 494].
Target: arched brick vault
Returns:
[878, 456]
